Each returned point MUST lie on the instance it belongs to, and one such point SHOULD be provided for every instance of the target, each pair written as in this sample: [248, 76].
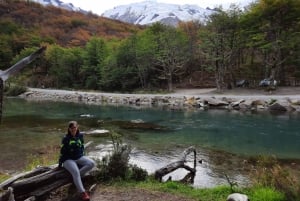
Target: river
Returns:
[223, 139]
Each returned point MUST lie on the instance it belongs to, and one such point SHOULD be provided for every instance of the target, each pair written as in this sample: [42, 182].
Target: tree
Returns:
[221, 45]
[73, 61]
[170, 56]
[94, 57]
[145, 57]
[274, 32]
[57, 72]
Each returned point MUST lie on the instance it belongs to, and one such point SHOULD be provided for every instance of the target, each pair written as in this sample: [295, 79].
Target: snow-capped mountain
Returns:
[60, 4]
[149, 12]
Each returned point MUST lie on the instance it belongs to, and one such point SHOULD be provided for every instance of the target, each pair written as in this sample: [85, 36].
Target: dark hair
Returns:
[72, 124]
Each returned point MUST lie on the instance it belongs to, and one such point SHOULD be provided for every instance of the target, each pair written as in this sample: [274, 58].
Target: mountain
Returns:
[33, 23]
[60, 4]
[148, 12]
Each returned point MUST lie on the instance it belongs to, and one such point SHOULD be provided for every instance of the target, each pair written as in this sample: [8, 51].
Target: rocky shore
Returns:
[188, 99]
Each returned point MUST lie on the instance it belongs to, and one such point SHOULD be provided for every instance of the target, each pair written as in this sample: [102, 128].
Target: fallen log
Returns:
[31, 173]
[28, 185]
[160, 173]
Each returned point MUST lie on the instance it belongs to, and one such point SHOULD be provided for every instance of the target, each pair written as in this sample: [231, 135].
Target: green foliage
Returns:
[78, 23]
[271, 28]
[269, 173]
[15, 90]
[266, 194]
[218, 193]
[3, 177]
[222, 43]
[49, 157]
[116, 165]
[6, 52]
[8, 27]
[255, 43]
[94, 57]
[137, 173]
[170, 57]
[116, 77]
[64, 66]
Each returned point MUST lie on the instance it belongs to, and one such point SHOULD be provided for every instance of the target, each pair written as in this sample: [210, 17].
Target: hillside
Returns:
[55, 25]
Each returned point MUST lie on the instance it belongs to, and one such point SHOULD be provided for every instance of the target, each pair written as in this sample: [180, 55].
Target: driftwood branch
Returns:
[160, 173]
[4, 75]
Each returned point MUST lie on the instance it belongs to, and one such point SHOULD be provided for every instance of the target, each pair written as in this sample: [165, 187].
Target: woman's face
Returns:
[73, 129]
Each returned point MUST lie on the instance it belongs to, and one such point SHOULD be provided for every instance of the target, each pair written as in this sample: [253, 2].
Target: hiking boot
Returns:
[85, 196]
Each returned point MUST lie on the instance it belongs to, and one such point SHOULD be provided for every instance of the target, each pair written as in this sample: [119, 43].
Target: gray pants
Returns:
[85, 164]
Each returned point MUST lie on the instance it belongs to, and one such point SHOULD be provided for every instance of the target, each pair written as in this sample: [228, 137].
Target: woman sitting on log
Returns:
[72, 157]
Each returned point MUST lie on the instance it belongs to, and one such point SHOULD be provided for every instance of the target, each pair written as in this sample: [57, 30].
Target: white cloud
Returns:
[99, 6]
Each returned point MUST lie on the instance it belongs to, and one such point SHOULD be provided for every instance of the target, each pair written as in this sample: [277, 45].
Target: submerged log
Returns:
[160, 173]
[136, 124]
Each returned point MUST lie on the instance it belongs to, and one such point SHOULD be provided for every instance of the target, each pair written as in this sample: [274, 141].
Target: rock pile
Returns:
[201, 102]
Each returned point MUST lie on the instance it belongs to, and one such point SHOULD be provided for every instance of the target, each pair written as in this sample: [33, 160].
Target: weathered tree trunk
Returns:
[34, 172]
[179, 164]
[35, 186]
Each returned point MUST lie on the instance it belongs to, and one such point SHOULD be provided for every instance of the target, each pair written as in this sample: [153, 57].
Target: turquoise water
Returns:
[31, 127]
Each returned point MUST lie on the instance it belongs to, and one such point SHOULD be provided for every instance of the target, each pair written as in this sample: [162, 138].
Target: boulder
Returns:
[237, 197]
[277, 107]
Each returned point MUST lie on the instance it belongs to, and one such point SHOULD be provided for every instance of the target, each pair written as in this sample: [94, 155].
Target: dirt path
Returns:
[280, 91]
[109, 193]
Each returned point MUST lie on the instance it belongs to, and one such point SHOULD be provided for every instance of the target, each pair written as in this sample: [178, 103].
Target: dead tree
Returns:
[160, 173]
[4, 75]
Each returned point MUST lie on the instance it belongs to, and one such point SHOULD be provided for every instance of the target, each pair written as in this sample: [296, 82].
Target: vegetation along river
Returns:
[222, 138]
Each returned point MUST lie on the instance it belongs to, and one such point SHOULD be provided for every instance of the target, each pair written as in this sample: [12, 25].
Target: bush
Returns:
[15, 90]
[269, 173]
[116, 165]
[137, 173]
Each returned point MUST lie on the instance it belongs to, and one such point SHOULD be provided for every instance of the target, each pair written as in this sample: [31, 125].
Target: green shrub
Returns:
[116, 165]
[269, 173]
[15, 90]
[137, 173]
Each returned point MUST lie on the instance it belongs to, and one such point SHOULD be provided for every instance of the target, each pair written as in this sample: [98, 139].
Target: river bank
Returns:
[285, 99]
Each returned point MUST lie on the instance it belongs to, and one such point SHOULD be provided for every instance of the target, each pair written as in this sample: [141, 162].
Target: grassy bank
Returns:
[220, 193]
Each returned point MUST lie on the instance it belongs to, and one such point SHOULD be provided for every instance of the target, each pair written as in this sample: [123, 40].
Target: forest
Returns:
[86, 51]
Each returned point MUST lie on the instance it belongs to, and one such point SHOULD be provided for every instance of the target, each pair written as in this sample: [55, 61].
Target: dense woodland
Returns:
[86, 51]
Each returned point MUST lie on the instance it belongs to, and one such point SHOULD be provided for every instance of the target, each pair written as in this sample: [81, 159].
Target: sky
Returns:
[99, 6]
